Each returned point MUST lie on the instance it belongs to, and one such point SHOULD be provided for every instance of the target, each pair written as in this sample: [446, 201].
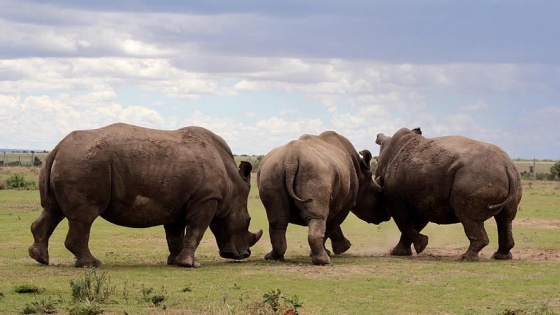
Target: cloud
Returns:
[478, 106]
[261, 73]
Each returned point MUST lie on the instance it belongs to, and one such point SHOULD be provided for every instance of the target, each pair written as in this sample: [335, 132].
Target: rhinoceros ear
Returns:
[380, 138]
[417, 131]
[245, 169]
[366, 160]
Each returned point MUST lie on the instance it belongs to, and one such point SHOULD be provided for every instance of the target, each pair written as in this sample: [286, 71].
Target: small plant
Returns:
[272, 299]
[85, 308]
[28, 288]
[279, 304]
[187, 289]
[149, 295]
[92, 287]
[157, 299]
[540, 310]
[40, 307]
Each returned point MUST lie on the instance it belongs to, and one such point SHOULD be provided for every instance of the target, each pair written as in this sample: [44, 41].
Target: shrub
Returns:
[92, 287]
[149, 295]
[18, 181]
[40, 307]
[28, 288]
[85, 309]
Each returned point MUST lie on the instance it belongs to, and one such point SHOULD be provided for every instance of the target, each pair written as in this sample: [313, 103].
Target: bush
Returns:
[85, 309]
[18, 181]
[41, 307]
[28, 288]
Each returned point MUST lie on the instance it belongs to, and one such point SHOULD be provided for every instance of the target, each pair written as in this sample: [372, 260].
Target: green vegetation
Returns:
[92, 287]
[365, 280]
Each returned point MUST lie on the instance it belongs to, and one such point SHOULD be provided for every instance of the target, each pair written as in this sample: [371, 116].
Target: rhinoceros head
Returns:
[388, 148]
[232, 230]
[370, 202]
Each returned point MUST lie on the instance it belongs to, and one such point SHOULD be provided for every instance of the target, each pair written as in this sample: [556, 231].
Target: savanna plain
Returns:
[135, 279]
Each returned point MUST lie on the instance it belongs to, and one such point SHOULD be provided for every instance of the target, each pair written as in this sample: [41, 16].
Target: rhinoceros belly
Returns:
[140, 212]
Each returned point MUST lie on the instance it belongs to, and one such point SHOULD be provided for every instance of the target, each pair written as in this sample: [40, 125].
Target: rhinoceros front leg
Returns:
[316, 238]
[175, 235]
[278, 242]
[403, 246]
[198, 220]
[410, 235]
[42, 230]
[339, 242]
[478, 239]
[77, 241]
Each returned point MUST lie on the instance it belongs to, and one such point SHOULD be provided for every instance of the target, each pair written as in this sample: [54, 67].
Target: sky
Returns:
[261, 73]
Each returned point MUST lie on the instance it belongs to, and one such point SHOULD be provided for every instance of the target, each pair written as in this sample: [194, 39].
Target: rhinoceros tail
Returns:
[48, 200]
[291, 167]
[513, 188]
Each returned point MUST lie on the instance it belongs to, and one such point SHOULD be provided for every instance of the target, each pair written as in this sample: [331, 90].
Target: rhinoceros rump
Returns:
[448, 180]
[185, 180]
[316, 181]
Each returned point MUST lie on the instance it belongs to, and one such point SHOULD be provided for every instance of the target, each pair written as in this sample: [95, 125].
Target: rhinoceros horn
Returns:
[376, 182]
[255, 237]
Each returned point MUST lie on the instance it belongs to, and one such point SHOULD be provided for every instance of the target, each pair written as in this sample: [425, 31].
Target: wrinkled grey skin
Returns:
[315, 181]
[448, 180]
[185, 180]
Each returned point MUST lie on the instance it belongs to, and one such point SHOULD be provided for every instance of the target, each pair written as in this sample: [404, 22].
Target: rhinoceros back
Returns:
[139, 177]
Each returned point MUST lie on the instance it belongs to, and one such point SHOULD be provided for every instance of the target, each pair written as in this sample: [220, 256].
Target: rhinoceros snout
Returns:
[236, 256]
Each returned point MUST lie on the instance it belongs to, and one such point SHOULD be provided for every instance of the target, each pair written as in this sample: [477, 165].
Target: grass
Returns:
[365, 280]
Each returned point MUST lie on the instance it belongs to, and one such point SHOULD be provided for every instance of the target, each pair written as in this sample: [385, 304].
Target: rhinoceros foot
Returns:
[187, 261]
[40, 255]
[87, 263]
[273, 256]
[502, 256]
[421, 244]
[341, 247]
[321, 259]
[401, 251]
[171, 260]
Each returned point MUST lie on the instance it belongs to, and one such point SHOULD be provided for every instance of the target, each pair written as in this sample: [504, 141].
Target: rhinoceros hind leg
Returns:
[42, 230]
[505, 235]
[316, 239]
[278, 241]
[478, 239]
[77, 241]
[174, 234]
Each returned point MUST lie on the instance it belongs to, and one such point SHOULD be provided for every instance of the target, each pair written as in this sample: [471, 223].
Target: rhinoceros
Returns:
[448, 180]
[315, 181]
[185, 180]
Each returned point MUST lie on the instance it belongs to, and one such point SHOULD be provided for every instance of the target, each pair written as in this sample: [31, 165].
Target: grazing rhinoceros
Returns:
[316, 181]
[139, 177]
[447, 180]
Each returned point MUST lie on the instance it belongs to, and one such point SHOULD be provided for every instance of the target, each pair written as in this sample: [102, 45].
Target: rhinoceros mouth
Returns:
[235, 255]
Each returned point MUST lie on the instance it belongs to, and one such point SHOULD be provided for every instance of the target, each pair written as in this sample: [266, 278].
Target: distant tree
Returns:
[37, 161]
[555, 170]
